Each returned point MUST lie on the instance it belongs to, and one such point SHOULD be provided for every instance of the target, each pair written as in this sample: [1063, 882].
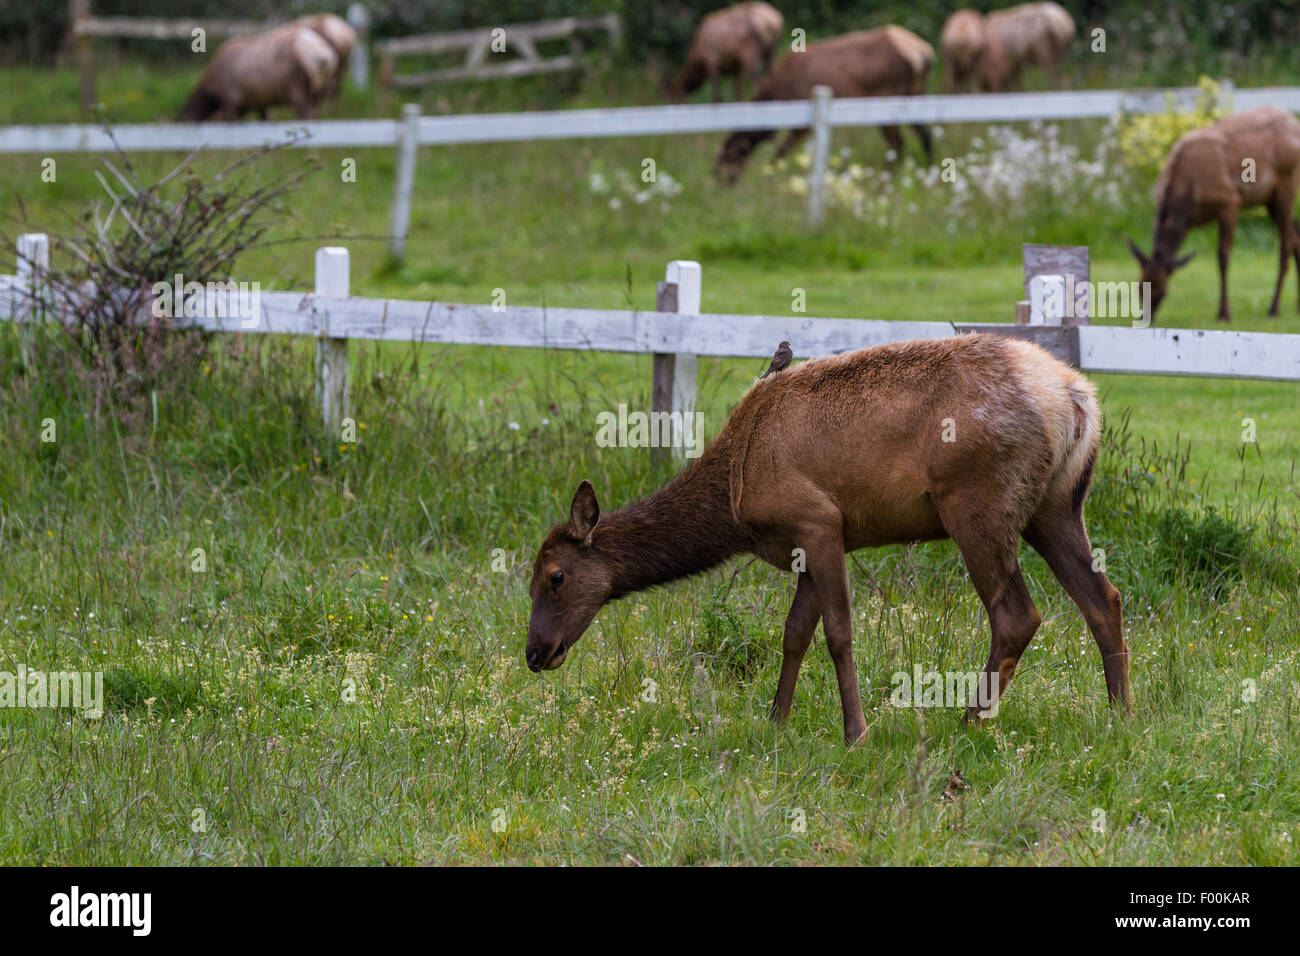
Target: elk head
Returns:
[1156, 270]
[734, 154]
[570, 584]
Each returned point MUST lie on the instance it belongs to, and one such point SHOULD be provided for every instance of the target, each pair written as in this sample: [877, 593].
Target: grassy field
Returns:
[344, 684]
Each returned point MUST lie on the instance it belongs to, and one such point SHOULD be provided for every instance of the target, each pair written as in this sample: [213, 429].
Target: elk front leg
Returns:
[792, 139]
[800, 624]
[1227, 226]
[831, 585]
[895, 140]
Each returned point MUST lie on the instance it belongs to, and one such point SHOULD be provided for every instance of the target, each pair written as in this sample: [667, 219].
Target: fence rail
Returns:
[631, 120]
[478, 45]
[822, 113]
[675, 334]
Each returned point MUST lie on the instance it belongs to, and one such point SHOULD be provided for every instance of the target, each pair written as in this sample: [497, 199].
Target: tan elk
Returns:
[287, 66]
[1034, 34]
[983, 439]
[973, 58]
[1248, 159]
[734, 41]
[887, 61]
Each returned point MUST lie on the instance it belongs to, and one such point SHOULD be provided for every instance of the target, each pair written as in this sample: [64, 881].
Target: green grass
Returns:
[343, 683]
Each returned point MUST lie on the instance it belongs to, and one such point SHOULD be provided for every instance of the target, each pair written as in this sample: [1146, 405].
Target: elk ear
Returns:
[1179, 263]
[1138, 254]
[584, 512]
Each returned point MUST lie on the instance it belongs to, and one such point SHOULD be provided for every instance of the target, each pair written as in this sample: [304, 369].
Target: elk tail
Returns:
[1085, 440]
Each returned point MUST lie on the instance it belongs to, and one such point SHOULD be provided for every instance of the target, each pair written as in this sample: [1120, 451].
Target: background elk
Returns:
[1250, 159]
[735, 41]
[973, 58]
[288, 66]
[1034, 34]
[887, 61]
[849, 452]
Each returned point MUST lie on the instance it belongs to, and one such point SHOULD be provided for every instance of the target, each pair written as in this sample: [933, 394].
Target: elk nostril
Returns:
[534, 659]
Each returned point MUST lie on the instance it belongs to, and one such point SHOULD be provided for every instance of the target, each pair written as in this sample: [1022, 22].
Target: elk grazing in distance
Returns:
[979, 438]
[973, 58]
[290, 66]
[887, 61]
[735, 41]
[1247, 159]
[1033, 34]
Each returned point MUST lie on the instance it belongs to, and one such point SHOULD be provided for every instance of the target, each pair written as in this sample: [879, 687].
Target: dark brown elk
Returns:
[342, 38]
[1249, 159]
[887, 61]
[973, 58]
[983, 439]
[287, 66]
[735, 41]
[1034, 34]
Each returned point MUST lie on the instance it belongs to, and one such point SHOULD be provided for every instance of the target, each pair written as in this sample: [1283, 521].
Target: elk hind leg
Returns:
[1280, 211]
[800, 624]
[1013, 619]
[1295, 248]
[1059, 536]
[831, 585]
[994, 568]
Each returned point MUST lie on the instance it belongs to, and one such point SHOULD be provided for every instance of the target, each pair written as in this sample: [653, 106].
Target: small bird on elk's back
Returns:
[781, 359]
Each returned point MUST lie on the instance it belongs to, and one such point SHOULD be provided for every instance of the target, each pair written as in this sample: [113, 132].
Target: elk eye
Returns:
[557, 578]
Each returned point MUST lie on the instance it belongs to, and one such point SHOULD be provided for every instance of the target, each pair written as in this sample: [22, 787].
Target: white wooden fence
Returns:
[675, 335]
[822, 113]
[479, 45]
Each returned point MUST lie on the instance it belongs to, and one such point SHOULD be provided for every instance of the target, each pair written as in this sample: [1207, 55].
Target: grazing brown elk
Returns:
[1034, 34]
[973, 57]
[1248, 159]
[735, 41]
[335, 31]
[286, 66]
[983, 439]
[887, 61]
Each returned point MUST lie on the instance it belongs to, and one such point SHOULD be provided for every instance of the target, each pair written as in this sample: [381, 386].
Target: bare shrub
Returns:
[100, 286]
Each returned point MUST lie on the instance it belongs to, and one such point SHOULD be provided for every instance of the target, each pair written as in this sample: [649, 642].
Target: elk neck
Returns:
[1171, 226]
[682, 529]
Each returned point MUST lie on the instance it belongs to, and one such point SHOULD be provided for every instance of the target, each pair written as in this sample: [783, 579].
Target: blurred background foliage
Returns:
[1209, 31]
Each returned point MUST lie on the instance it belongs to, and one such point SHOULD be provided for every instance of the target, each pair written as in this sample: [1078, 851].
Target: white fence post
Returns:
[359, 58]
[332, 351]
[33, 262]
[674, 373]
[1227, 93]
[83, 45]
[408, 132]
[821, 127]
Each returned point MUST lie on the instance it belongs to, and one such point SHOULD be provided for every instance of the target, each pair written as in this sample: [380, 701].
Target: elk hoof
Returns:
[854, 734]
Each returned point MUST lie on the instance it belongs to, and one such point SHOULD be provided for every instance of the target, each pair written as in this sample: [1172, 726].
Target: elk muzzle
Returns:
[543, 656]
